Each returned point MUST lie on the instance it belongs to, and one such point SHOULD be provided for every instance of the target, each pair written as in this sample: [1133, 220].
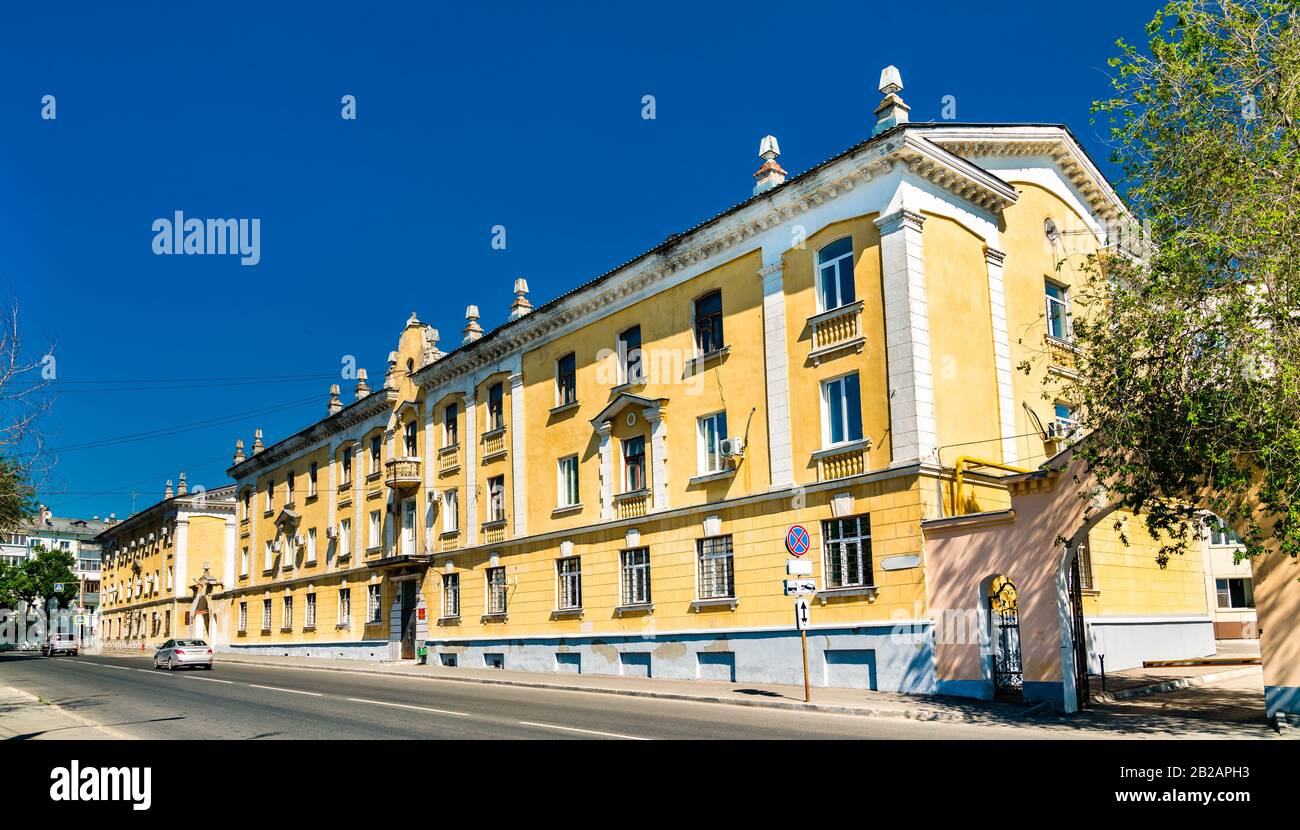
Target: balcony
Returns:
[494, 444]
[842, 461]
[449, 459]
[632, 505]
[402, 473]
[1062, 356]
[836, 330]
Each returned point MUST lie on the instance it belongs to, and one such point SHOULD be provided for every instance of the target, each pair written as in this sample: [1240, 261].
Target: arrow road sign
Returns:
[800, 587]
[801, 613]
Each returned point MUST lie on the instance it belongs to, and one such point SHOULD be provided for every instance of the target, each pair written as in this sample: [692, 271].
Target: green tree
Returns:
[1190, 372]
[45, 570]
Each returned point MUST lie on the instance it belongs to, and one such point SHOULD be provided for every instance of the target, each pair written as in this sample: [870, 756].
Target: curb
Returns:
[1172, 685]
[905, 714]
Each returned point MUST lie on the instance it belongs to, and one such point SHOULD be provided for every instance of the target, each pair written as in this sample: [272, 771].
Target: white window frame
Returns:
[497, 499]
[826, 410]
[568, 583]
[627, 593]
[374, 530]
[309, 611]
[311, 546]
[344, 611]
[268, 560]
[345, 537]
[450, 511]
[286, 612]
[451, 595]
[374, 603]
[730, 570]
[559, 388]
[244, 556]
[837, 262]
[450, 426]
[266, 614]
[490, 587]
[1066, 425]
[706, 463]
[838, 547]
[313, 473]
[625, 467]
[1066, 335]
[563, 496]
[243, 617]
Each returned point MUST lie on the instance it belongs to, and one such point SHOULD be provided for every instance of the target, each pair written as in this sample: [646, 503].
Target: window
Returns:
[569, 572]
[376, 451]
[835, 274]
[717, 568]
[311, 545]
[248, 503]
[568, 482]
[345, 606]
[629, 355]
[243, 561]
[372, 603]
[270, 495]
[408, 437]
[712, 429]
[312, 472]
[287, 621]
[243, 617]
[635, 577]
[566, 380]
[1223, 535]
[372, 541]
[309, 621]
[634, 464]
[847, 562]
[496, 590]
[347, 465]
[708, 323]
[1085, 567]
[268, 560]
[345, 538]
[450, 512]
[842, 411]
[288, 484]
[1065, 421]
[1236, 592]
[266, 615]
[451, 595]
[497, 499]
[449, 425]
[496, 411]
[1058, 311]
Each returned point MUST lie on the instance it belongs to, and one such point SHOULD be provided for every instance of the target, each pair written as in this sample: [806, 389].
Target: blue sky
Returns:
[467, 117]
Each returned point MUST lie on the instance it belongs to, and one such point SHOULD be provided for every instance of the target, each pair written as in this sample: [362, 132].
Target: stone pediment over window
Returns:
[287, 519]
[624, 401]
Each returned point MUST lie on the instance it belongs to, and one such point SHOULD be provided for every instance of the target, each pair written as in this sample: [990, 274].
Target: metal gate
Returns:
[1008, 672]
[1080, 636]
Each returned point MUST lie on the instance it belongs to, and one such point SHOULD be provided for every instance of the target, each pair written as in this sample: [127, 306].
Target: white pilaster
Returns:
[777, 373]
[331, 508]
[360, 524]
[181, 563]
[606, 471]
[656, 418]
[518, 469]
[471, 469]
[231, 546]
[1002, 354]
[913, 430]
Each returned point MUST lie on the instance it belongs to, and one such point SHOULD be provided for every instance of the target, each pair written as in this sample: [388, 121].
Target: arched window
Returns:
[835, 274]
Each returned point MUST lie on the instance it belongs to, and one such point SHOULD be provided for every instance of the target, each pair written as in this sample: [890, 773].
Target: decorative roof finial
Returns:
[520, 306]
[892, 111]
[770, 174]
[363, 388]
[239, 451]
[473, 330]
[335, 402]
[257, 441]
[182, 488]
[167, 491]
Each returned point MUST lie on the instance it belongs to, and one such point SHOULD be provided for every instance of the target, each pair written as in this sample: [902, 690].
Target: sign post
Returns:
[801, 622]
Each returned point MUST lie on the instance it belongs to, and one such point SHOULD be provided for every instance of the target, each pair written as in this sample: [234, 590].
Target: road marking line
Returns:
[408, 706]
[290, 691]
[111, 666]
[208, 679]
[587, 731]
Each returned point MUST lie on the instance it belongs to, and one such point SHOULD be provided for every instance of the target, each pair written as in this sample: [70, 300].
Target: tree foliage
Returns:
[38, 576]
[1189, 381]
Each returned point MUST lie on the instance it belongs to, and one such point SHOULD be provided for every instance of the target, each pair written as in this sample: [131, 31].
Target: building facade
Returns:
[69, 535]
[606, 483]
[1232, 586]
[162, 565]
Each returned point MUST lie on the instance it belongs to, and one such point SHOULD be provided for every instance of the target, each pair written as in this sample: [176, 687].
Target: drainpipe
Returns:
[973, 462]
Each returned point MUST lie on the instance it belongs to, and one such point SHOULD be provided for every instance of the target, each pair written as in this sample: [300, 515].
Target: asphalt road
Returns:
[240, 701]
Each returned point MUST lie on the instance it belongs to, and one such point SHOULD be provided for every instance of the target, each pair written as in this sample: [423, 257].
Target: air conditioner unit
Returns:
[277, 545]
[733, 447]
[331, 532]
[299, 540]
[1060, 431]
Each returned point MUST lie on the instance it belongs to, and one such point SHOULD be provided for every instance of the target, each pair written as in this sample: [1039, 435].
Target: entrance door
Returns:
[1008, 673]
[408, 528]
[1080, 636]
[408, 618]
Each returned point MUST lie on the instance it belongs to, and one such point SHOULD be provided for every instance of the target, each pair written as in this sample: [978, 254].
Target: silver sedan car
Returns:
[175, 654]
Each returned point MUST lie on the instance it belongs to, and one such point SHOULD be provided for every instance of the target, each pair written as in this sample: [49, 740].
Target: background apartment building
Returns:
[606, 483]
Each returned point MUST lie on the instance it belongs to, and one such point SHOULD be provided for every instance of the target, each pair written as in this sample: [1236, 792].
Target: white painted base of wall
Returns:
[368, 650]
[1127, 641]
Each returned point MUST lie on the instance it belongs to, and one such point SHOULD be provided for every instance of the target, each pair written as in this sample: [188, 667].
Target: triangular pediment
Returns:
[623, 401]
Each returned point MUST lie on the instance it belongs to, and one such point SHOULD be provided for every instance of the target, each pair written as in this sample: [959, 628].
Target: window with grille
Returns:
[345, 606]
[496, 590]
[451, 595]
[266, 615]
[372, 603]
[287, 622]
[717, 568]
[243, 616]
[570, 574]
[848, 552]
[635, 577]
[1085, 566]
[310, 620]
[566, 380]
[708, 323]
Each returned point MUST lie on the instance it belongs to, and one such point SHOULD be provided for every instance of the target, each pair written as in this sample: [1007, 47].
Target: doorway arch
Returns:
[1005, 654]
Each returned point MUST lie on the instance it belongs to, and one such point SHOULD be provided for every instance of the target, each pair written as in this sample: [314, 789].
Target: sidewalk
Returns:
[1131, 683]
[840, 701]
[24, 716]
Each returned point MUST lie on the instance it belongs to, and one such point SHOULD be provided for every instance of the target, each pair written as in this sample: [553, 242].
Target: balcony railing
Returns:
[494, 443]
[839, 328]
[632, 505]
[1062, 355]
[842, 462]
[402, 473]
[448, 458]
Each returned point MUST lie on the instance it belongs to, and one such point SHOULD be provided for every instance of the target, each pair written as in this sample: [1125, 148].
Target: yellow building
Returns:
[162, 566]
[606, 483]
